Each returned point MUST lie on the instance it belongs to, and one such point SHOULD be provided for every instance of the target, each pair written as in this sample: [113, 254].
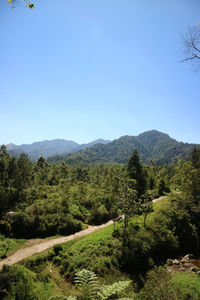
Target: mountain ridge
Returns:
[48, 148]
[151, 145]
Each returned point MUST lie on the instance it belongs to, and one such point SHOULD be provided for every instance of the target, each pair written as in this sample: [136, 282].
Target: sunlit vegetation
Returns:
[152, 146]
[42, 199]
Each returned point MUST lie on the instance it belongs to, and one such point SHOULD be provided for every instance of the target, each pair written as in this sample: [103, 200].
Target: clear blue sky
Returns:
[87, 69]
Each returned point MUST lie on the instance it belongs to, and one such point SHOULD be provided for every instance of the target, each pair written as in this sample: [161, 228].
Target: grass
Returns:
[79, 243]
[161, 204]
[103, 234]
[188, 283]
[84, 251]
[94, 252]
[59, 285]
[99, 247]
[15, 244]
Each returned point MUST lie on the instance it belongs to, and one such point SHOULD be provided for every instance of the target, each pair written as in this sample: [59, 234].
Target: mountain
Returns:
[43, 148]
[48, 148]
[85, 146]
[151, 145]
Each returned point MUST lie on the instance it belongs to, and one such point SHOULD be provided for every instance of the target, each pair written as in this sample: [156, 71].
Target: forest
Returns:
[123, 261]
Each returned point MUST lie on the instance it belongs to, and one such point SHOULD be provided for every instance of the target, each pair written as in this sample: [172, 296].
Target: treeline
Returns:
[47, 199]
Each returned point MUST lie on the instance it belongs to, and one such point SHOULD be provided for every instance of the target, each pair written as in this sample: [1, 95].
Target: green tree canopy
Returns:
[137, 172]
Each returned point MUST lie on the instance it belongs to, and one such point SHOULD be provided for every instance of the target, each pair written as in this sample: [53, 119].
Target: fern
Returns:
[86, 281]
[85, 278]
[114, 289]
[90, 290]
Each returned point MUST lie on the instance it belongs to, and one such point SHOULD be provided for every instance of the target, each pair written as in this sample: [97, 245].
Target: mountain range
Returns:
[49, 148]
[151, 145]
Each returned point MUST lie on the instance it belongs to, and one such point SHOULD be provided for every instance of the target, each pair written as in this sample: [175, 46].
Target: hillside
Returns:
[152, 145]
[91, 144]
[43, 148]
[48, 148]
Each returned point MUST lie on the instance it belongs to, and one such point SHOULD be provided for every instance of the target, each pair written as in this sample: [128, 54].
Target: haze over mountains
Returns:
[152, 145]
[49, 148]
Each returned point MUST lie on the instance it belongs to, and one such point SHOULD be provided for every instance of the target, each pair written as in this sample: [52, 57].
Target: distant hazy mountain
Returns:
[48, 148]
[152, 145]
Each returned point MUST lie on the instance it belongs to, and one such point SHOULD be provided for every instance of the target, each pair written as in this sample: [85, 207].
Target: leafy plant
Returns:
[89, 289]
[85, 280]
[116, 288]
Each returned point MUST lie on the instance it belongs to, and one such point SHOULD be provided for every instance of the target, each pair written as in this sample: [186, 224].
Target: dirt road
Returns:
[23, 253]
[158, 199]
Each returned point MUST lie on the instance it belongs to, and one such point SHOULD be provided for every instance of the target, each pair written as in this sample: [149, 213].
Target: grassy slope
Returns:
[91, 251]
[100, 235]
[187, 283]
[84, 250]
[105, 234]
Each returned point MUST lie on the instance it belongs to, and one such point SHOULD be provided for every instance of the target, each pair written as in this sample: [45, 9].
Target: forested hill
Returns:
[151, 145]
[49, 148]
[43, 148]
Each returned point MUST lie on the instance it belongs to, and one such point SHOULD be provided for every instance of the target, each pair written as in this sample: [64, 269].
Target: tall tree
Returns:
[128, 203]
[137, 172]
[24, 172]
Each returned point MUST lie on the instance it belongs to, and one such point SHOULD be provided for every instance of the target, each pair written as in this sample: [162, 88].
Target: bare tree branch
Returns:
[190, 58]
[191, 42]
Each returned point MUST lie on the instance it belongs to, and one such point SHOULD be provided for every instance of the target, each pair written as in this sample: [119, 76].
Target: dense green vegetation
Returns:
[45, 199]
[151, 145]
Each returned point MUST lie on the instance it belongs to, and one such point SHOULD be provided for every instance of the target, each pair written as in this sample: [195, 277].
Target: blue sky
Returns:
[84, 69]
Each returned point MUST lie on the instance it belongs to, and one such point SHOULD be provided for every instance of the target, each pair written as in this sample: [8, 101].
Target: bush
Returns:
[22, 284]
[57, 249]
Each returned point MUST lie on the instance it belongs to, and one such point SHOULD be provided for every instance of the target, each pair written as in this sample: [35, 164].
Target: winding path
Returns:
[23, 253]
